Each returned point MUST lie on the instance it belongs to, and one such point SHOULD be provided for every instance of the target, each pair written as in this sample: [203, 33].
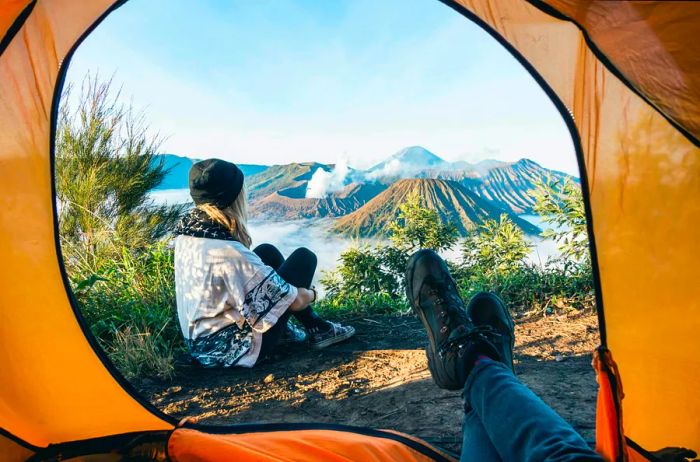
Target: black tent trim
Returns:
[18, 440]
[16, 26]
[575, 137]
[642, 451]
[58, 89]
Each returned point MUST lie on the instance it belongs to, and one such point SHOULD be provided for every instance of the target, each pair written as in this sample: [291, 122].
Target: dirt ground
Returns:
[380, 379]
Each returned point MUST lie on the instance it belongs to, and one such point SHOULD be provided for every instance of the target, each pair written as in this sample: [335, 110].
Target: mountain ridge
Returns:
[491, 187]
[449, 198]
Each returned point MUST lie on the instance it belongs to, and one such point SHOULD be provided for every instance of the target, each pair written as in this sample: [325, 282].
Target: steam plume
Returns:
[323, 183]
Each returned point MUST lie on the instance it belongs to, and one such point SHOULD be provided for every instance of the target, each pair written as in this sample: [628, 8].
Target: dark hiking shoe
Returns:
[454, 343]
[321, 338]
[292, 335]
[487, 310]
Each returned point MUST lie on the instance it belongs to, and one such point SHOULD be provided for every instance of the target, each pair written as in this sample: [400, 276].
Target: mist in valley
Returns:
[316, 234]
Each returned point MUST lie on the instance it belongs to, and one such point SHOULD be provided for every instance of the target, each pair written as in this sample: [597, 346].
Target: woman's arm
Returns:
[304, 298]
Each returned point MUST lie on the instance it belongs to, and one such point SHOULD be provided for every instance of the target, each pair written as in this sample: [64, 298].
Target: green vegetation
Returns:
[492, 259]
[112, 235]
[116, 250]
[418, 227]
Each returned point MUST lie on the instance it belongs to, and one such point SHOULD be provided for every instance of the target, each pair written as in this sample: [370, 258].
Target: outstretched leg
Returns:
[472, 349]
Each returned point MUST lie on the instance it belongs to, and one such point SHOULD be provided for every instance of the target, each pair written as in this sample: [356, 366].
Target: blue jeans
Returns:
[504, 420]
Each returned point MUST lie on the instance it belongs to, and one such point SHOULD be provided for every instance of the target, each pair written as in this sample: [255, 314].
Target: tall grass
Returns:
[129, 304]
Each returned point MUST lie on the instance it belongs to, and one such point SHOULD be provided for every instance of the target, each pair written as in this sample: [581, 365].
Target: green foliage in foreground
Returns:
[494, 259]
[129, 304]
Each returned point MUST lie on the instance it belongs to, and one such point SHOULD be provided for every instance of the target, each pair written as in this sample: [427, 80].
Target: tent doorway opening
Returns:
[329, 163]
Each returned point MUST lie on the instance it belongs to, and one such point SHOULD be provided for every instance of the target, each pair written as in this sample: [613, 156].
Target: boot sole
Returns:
[441, 382]
[411, 267]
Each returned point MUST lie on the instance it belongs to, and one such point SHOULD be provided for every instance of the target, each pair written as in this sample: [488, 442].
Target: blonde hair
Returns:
[234, 218]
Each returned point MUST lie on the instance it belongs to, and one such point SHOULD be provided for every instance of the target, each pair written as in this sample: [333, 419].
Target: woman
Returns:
[233, 303]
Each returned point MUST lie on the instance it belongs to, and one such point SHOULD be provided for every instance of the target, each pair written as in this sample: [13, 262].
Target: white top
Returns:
[219, 283]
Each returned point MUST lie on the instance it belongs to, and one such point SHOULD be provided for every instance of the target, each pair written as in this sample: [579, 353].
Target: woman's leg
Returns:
[272, 337]
[298, 270]
[269, 254]
[272, 257]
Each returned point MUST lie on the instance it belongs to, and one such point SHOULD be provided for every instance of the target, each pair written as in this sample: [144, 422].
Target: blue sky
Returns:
[276, 81]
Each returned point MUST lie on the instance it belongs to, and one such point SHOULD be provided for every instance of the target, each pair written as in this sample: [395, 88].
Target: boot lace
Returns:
[460, 343]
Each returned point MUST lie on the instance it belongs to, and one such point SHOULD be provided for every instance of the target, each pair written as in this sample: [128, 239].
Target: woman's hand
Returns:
[304, 298]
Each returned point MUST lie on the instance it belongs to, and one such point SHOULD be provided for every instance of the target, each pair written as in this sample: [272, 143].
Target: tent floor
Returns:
[379, 379]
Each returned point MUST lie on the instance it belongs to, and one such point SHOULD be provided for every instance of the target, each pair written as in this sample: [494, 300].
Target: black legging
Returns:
[298, 270]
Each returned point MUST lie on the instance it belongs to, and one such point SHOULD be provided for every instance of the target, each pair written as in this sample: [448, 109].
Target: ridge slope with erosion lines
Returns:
[290, 204]
[454, 203]
[510, 186]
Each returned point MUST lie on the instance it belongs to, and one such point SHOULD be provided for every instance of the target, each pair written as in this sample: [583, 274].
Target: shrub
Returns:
[498, 247]
[112, 234]
[367, 279]
[419, 227]
[105, 167]
[561, 206]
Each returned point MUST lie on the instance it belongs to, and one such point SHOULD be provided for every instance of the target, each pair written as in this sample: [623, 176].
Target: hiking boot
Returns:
[320, 338]
[292, 335]
[454, 343]
[487, 310]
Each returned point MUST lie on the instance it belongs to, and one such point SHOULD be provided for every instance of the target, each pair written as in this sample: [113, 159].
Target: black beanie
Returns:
[215, 181]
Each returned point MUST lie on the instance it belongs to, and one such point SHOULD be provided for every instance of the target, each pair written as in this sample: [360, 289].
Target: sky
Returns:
[278, 81]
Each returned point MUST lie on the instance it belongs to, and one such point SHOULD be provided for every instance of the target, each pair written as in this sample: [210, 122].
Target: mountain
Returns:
[453, 202]
[289, 205]
[289, 179]
[407, 162]
[510, 185]
[179, 168]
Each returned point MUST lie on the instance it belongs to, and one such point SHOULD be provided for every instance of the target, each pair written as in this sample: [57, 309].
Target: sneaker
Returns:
[454, 343]
[319, 339]
[292, 335]
[487, 310]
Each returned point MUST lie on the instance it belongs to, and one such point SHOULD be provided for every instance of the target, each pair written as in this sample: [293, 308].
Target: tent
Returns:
[625, 76]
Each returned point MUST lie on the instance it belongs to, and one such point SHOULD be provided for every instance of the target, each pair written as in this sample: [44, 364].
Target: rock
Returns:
[269, 378]
[559, 358]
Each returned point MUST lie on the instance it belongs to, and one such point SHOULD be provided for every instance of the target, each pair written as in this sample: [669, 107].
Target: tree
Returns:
[419, 227]
[560, 204]
[105, 167]
[498, 247]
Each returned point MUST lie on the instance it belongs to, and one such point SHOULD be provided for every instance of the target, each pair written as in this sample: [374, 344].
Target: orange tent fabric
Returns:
[626, 77]
[308, 445]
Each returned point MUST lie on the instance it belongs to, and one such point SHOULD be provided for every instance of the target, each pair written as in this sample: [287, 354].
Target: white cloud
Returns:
[323, 183]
